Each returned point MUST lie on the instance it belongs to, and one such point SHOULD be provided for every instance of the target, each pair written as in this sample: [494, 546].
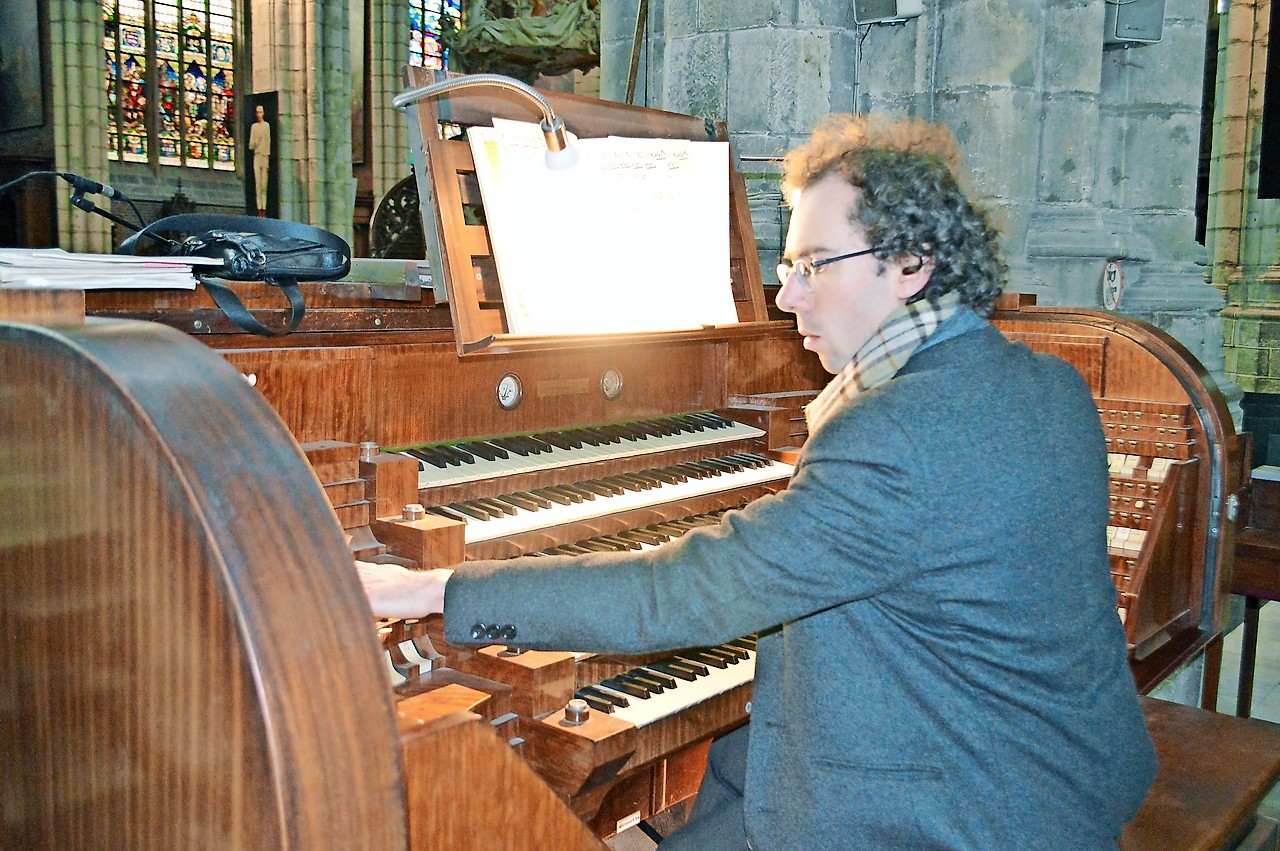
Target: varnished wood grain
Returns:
[543, 680]
[392, 483]
[189, 660]
[498, 804]
[422, 709]
[42, 306]
[431, 542]
[1213, 772]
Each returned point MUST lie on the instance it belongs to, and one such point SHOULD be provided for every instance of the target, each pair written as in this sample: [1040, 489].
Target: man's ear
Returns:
[913, 273]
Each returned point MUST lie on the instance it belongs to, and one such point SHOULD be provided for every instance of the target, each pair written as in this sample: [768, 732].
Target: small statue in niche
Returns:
[260, 144]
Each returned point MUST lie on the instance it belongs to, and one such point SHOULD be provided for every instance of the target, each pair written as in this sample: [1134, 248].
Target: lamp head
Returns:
[561, 154]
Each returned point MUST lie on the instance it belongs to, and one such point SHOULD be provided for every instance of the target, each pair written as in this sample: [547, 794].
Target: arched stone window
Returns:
[170, 78]
[424, 31]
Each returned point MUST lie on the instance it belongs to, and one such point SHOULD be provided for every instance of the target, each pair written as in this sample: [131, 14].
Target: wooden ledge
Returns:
[1214, 770]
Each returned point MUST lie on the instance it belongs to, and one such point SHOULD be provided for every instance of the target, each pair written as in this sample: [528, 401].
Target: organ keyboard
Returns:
[496, 457]
[511, 514]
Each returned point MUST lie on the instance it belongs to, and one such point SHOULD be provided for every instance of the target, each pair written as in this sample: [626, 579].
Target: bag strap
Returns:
[234, 308]
[223, 296]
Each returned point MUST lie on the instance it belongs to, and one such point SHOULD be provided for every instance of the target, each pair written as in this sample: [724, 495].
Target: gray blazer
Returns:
[949, 671]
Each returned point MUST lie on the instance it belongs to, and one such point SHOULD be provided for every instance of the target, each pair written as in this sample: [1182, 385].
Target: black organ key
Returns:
[706, 658]
[626, 687]
[720, 653]
[595, 703]
[435, 459]
[445, 511]
[516, 500]
[600, 488]
[483, 450]
[650, 684]
[677, 670]
[463, 508]
[499, 505]
[691, 664]
[666, 679]
[642, 536]
[609, 697]
[568, 492]
[547, 493]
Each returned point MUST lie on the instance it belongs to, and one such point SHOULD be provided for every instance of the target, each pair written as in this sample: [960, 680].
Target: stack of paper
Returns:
[58, 269]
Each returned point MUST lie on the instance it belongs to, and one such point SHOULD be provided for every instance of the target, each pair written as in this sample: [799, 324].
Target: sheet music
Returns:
[633, 237]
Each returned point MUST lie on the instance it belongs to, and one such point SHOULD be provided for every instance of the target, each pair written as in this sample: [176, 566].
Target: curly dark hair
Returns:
[911, 201]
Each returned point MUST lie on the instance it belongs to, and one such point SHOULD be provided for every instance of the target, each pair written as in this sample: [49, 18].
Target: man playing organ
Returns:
[939, 661]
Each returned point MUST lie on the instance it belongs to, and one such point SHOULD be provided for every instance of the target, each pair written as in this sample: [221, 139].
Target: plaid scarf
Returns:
[903, 331]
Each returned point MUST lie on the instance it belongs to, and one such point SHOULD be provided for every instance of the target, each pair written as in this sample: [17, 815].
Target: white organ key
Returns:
[411, 655]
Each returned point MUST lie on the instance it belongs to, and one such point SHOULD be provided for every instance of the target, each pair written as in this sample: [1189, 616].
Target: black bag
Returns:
[253, 249]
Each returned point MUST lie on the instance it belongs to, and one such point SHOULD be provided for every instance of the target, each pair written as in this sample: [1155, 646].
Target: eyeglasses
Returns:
[806, 269]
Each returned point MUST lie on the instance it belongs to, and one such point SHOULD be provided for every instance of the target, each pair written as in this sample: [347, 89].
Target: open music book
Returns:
[633, 237]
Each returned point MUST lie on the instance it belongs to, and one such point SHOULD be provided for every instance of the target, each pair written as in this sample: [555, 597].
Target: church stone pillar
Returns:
[389, 52]
[79, 116]
[302, 51]
[1151, 119]
[1083, 154]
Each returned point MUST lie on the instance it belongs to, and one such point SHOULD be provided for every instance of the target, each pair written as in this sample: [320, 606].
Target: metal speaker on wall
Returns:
[885, 11]
[1130, 22]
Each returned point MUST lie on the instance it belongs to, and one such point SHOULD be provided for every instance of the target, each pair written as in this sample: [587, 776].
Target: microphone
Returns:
[93, 187]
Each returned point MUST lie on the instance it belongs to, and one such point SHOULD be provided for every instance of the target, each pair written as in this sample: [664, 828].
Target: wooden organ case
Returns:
[192, 661]
[1177, 469]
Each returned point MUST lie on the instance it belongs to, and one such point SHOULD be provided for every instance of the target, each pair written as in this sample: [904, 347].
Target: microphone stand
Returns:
[78, 200]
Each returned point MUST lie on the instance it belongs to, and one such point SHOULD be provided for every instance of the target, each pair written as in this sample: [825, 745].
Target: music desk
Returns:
[1256, 575]
[1214, 770]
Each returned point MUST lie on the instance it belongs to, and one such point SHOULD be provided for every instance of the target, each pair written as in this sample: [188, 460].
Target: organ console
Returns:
[192, 662]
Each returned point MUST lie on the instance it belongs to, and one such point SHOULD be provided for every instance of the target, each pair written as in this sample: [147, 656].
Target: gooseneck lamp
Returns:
[560, 154]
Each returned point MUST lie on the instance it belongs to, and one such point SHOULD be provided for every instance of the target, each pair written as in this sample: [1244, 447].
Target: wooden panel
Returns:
[392, 483]
[168, 699]
[1187, 567]
[43, 306]
[458, 396]
[499, 804]
[320, 393]
[771, 364]
[430, 542]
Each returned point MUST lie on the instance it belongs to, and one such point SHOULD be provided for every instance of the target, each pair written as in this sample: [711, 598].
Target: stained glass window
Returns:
[170, 81]
[424, 31]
